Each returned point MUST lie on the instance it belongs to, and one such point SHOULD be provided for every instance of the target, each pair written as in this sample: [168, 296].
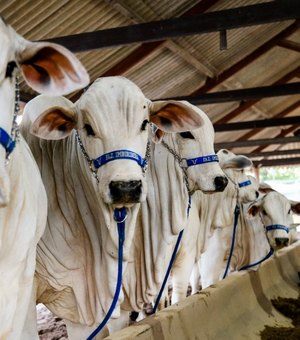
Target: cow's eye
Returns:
[144, 124]
[264, 212]
[10, 69]
[89, 130]
[187, 135]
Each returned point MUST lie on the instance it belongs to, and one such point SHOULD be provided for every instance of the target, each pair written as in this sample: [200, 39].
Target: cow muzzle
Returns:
[220, 183]
[281, 242]
[125, 192]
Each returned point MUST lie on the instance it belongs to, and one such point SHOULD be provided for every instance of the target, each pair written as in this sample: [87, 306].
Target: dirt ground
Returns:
[50, 327]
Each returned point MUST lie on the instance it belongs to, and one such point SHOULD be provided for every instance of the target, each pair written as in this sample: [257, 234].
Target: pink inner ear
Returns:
[253, 210]
[57, 120]
[48, 65]
[176, 118]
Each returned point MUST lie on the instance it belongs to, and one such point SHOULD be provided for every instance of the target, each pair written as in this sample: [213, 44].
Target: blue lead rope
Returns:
[162, 288]
[236, 218]
[270, 253]
[120, 217]
[6, 141]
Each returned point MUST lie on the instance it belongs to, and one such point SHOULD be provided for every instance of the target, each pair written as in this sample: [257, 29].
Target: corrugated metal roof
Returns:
[178, 67]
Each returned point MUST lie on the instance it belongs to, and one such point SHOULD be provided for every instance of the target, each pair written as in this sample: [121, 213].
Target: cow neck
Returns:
[9, 141]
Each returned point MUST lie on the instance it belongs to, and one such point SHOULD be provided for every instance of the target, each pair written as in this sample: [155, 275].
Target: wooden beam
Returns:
[167, 29]
[272, 153]
[255, 93]
[277, 162]
[282, 113]
[220, 78]
[249, 143]
[246, 105]
[254, 124]
[291, 45]
[209, 71]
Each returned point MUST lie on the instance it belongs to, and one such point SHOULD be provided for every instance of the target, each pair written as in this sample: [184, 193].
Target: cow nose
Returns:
[220, 183]
[125, 191]
[281, 241]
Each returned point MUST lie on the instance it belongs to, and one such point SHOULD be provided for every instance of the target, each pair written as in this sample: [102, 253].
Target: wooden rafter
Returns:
[282, 113]
[262, 142]
[246, 105]
[198, 24]
[254, 124]
[250, 94]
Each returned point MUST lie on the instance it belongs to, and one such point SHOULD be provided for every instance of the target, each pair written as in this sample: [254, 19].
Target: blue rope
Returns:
[162, 288]
[6, 141]
[120, 217]
[236, 217]
[168, 271]
[270, 253]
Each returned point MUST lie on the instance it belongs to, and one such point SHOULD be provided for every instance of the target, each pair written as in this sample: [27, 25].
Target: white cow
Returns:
[255, 240]
[273, 213]
[77, 257]
[46, 68]
[211, 215]
[164, 214]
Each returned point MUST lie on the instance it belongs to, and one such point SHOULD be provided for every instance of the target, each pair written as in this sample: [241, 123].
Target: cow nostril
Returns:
[281, 241]
[125, 191]
[220, 183]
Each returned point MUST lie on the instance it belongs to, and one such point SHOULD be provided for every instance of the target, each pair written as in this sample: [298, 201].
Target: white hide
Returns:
[211, 215]
[77, 256]
[164, 214]
[22, 195]
[274, 208]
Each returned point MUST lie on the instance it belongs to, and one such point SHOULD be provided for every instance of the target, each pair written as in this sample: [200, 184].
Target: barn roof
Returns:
[238, 60]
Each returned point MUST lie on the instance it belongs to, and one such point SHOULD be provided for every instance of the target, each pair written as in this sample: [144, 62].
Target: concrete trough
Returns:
[236, 308]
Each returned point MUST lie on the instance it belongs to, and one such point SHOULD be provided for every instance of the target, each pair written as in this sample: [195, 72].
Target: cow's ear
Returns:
[50, 68]
[295, 206]
[265, 188]
[238, 162]
[51, 117]
[175, 116]
[254, 209]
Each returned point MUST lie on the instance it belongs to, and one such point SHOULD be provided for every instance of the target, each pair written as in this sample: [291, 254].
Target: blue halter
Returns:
[7, 142]
[276, 227]
[244, 184]
[201, 160]
[119, 154]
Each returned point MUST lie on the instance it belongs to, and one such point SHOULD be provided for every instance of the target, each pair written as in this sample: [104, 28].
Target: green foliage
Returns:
[280, 173]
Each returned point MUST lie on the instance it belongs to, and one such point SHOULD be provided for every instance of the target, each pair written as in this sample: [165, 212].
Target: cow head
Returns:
[234, 167]
[275, 211]
[111, 118]
[47, 68]
[196, 150]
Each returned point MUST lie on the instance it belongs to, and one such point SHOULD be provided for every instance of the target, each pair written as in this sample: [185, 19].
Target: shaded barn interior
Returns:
[238, 60]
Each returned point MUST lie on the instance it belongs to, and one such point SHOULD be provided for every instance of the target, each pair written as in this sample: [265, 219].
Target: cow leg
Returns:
[212, 260]
[181, 274]
[78, 331]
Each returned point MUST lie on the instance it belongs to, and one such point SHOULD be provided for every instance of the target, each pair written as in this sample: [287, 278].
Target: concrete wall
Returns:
[236, 308]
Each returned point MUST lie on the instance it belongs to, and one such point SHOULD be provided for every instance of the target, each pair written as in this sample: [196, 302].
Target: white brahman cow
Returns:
[77, 256]
[255, 240]
[211, 215]
[164, 214]
[51, 69]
